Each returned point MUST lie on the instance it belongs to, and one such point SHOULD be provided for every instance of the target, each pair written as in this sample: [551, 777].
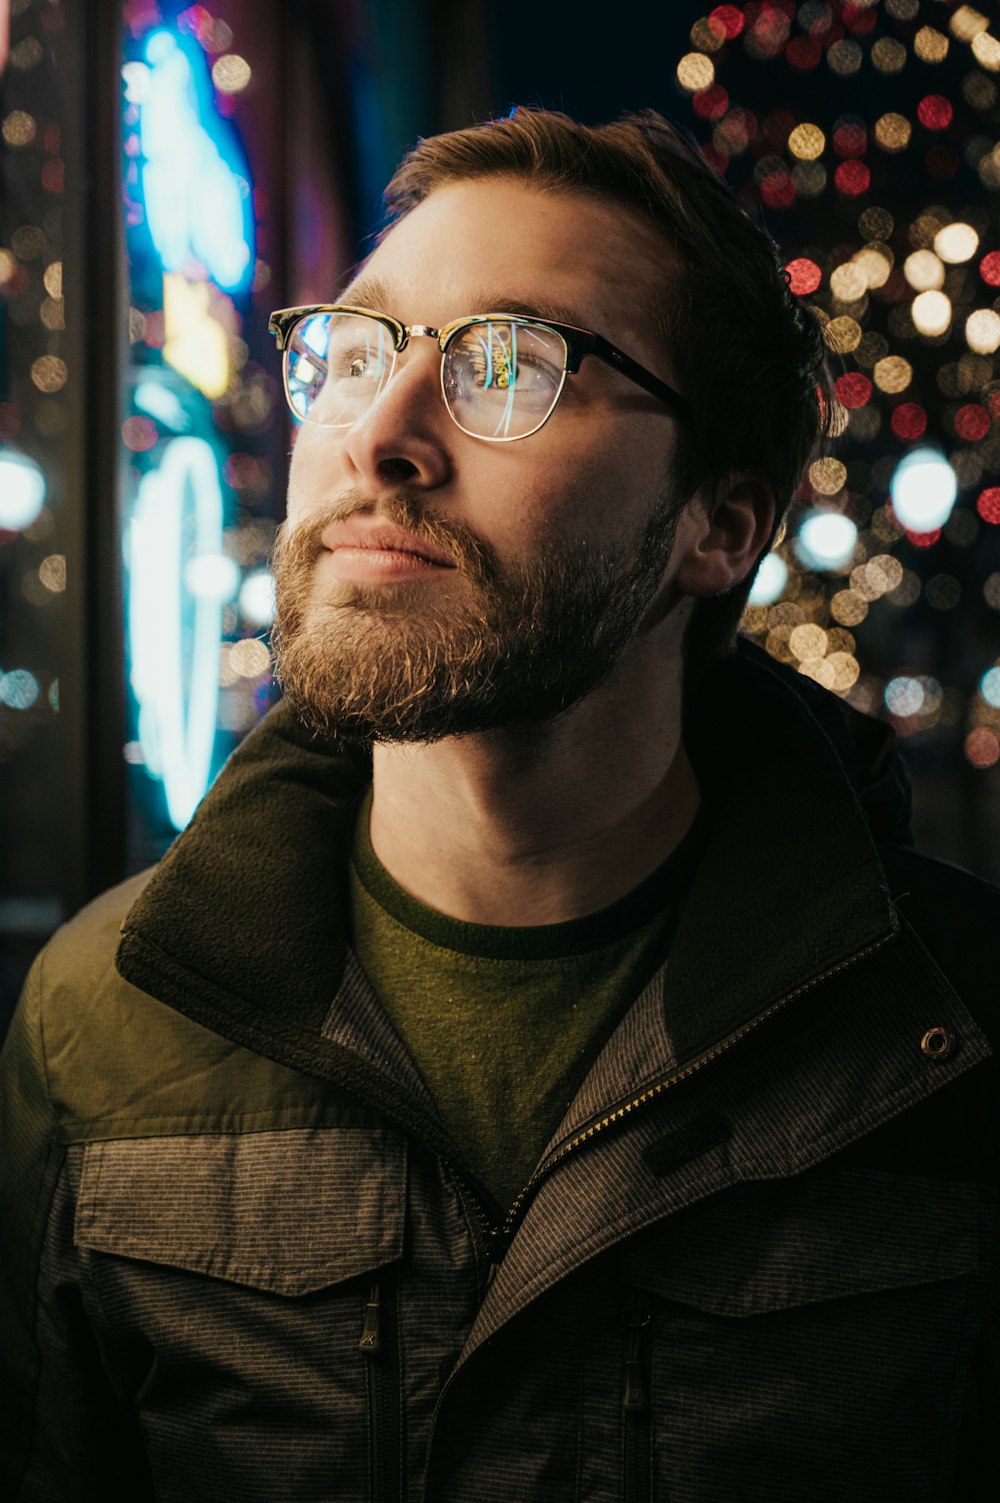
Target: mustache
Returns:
[462, 546]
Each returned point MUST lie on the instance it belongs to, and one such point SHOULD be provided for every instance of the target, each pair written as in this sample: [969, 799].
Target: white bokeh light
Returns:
[923, 490]
[212, 576]
[771, 579]
[257, 598]
[826, 540]
[22, 491]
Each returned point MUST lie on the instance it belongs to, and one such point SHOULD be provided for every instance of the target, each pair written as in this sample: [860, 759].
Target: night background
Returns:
[170, 174]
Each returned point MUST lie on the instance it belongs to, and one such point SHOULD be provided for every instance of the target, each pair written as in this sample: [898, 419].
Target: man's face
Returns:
[541, 557]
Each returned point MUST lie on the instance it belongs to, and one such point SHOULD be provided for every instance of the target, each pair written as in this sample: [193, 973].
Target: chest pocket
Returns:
[780, 1317]
[776, 1245]
[229, 1282]
[288, 1212]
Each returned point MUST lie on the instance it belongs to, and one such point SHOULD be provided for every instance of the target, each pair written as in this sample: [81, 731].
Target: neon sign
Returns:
[174, 633]
[195, 180]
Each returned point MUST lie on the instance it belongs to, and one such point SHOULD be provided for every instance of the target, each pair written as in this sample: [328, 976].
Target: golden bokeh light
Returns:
[888, 55]
[52, 572]
[875, 261]
[27, 54]
[695, 71]
[842, 334]
[28, 242]
[931, 313]
[876, 223]
[231, 73]
[967, 22]
[982, 331]
[924, 270]
[892, 132]
[848, 282]
[986, 51]
[8, 266]
[892, 373]
[807, 142]
[52, 313]
[18, 128]
[930, 46]
[706, 36]
[249, 658]
[844, 58]
[49, 373]
[846, 670]
[827, 476]
[807, 641]
[52, 279]
[956, 243]
[819, 669]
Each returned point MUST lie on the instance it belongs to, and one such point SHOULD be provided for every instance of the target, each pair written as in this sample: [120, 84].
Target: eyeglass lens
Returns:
[500, 379]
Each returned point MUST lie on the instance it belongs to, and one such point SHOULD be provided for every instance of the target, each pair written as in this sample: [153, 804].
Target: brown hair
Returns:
[749, 354]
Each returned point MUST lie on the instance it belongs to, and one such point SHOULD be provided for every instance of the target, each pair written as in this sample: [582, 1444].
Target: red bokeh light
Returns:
[859, 19]
[909, 420]
[989, 268]
[972, 421]
[139, 434]
[935, 112]
[804, 275]
[895, 288]
[711, 103]
[53, 175]
[716, 159]
[993, 404]
[923, 539]
[729, 18]
[988, 504]
[852, 178]
[850, 138]
[804, 53]
[853, 390]
[778, 190]
[982, 747]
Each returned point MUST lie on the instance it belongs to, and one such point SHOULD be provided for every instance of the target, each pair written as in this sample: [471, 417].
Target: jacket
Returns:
[240, 1258]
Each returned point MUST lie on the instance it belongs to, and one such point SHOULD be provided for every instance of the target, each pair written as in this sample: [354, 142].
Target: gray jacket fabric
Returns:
[241, 1259]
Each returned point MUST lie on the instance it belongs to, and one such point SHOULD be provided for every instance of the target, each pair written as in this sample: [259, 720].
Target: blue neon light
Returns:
[195, 180]
[175, 636]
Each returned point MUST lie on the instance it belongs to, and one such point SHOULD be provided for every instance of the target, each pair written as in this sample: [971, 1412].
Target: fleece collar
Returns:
[243, 926]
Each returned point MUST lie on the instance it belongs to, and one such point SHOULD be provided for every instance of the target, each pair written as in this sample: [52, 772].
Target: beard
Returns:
[505, 645]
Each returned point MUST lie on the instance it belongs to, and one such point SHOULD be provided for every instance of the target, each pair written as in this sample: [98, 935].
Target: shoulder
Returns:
[956, 916]
[116, 1061]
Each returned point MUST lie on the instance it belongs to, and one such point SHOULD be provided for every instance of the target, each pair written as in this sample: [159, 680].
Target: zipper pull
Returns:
[371, 1332]
[637, 1318]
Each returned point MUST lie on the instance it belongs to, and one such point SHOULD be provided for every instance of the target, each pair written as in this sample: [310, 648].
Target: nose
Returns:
[404, 436]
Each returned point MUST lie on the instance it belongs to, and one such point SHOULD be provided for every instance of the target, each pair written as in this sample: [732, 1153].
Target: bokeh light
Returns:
[826, 540]
[924, 487]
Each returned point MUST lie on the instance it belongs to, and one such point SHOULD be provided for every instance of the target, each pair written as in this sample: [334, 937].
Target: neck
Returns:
[537, 826]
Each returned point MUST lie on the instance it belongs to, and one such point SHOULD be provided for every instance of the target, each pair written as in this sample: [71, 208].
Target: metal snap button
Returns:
[937, 1043]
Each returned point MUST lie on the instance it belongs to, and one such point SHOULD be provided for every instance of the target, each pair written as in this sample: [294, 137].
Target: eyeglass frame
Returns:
[578, 342]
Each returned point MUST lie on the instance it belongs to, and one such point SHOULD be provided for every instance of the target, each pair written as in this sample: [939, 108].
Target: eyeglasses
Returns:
[501, 376]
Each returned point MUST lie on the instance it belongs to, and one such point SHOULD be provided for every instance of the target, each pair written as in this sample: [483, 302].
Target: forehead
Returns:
[569, 256]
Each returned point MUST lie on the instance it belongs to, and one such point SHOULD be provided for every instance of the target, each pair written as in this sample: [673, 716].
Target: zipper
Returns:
[636, 1427]
[500, 1237]
[381, 1351]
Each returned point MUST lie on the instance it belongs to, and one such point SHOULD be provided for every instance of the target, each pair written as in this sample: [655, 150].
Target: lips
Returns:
[370, 534]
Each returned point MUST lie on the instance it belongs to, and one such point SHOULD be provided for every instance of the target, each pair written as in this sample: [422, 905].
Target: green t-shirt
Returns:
[503, 1022]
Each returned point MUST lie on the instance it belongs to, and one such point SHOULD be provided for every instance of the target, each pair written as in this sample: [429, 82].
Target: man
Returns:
[587, 1094]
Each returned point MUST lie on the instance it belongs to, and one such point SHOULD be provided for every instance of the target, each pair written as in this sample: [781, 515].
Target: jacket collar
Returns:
[243, 925]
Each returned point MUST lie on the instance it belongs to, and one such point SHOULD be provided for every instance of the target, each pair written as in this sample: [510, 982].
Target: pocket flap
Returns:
[288, 1211]
[772, 1245]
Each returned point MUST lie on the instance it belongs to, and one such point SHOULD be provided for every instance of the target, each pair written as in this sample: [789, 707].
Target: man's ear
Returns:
[722, 534]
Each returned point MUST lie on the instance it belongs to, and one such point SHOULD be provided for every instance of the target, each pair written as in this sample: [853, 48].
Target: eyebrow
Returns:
[374, 293]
